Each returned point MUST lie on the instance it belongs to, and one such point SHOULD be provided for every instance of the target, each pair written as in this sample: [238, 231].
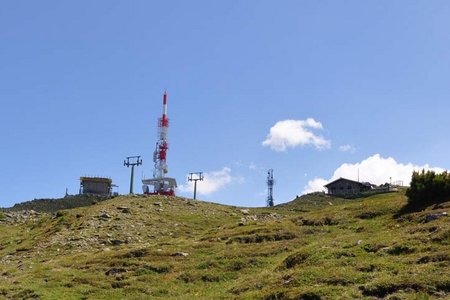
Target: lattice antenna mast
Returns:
[162, 145]
[162, 185]
[270, 183]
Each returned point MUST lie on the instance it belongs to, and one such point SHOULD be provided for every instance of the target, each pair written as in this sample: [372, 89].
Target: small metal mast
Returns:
[162, 185]
[270, 183]
[135, 161]
[195, 176]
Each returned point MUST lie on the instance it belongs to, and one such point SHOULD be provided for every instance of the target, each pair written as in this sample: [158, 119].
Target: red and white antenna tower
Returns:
[162, 145]
[162, 185]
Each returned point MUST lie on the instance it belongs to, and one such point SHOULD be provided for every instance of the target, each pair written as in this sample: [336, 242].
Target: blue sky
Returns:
[81, 87]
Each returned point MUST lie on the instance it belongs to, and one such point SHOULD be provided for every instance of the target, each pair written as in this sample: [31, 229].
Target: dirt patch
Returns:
[210, 278]
[381, 290]
[400, 249]
[308, 296]
[276, 296]
[369, 215]
[443, 286]
[119, 285]
[295, 259]
[115, 271]
[156, 269]
[238, 291]
[443, 238]
[136, 253]
[187, 278]
[440, 257]
[258, 238]
[373, 248]
[367, 268]
[316, 222]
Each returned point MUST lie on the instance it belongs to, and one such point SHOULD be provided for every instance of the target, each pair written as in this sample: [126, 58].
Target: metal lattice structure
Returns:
[162, 185]
[270, 183]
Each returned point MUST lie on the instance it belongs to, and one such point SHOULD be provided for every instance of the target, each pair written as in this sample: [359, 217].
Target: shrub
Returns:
[428, 188]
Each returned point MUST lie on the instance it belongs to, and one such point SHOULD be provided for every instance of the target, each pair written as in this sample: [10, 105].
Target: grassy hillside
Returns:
[315, 247]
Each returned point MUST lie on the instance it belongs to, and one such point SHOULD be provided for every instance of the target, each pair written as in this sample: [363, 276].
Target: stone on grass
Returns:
[432, 217]
[180, 254]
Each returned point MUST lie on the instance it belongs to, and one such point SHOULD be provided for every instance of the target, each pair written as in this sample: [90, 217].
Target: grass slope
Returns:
[315, 247]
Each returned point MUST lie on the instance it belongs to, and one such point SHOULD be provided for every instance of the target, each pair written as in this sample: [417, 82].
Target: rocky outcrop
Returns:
[53, 205]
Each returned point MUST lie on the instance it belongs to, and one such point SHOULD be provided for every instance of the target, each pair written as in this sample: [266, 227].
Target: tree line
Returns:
[428, 188]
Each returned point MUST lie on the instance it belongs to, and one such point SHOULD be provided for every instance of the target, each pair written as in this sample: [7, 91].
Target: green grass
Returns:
[307, 249]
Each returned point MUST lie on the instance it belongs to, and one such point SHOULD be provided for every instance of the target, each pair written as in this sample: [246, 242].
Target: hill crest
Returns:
[353, 248]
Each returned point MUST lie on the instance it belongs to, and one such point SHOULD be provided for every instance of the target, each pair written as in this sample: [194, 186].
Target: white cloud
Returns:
[315, 185]
[292, 133]
[347, 148]
[212, 182]
[374, 169]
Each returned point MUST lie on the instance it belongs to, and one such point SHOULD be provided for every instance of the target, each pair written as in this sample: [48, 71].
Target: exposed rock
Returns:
[104, 215]
[262, 217]
[432, 217]
[136, 253]
[157, 204]
[116, 242]
[182, 254]
[245, 212]
[53, 205]
[115, 271]
[126, 210]
[22, 216]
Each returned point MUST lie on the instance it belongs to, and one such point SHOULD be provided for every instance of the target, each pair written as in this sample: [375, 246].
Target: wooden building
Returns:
[343, 186]
[96, 186]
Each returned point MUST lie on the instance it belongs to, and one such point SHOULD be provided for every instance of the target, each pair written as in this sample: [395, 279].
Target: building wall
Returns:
[99, 188]
[344, 187]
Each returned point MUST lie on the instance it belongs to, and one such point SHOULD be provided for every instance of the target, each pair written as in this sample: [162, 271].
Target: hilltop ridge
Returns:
[315, 247]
